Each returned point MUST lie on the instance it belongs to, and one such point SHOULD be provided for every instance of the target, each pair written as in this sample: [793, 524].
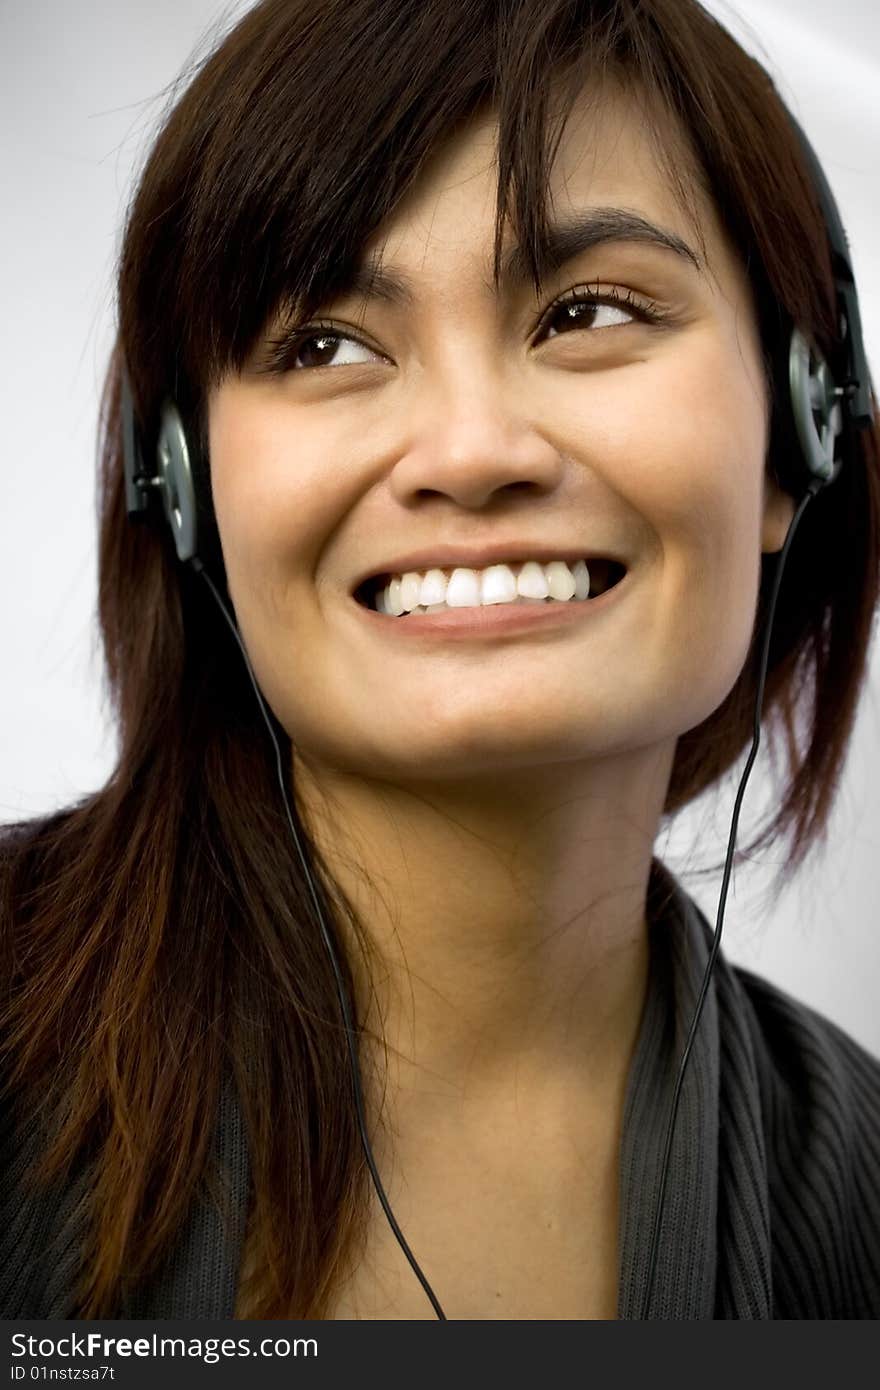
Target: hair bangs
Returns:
[323, 127]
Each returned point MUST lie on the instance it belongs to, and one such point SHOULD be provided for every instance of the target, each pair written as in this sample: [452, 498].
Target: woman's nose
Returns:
[473, 432]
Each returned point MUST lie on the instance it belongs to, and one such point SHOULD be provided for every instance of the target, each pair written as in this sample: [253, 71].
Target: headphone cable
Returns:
[813, 487]
[340, 986]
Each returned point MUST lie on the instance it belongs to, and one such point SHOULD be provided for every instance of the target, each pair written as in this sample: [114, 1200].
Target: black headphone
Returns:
[815, 410]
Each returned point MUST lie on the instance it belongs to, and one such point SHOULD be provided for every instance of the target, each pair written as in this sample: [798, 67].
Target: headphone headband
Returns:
[857, 377]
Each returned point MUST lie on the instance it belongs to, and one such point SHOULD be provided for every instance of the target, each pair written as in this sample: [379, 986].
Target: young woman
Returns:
[473, 316]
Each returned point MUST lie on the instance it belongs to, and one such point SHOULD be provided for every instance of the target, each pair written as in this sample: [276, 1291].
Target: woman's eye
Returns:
[596, 313]
[322, 349]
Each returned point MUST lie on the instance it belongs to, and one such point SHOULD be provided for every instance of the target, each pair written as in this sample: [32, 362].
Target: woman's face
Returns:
[457, 418]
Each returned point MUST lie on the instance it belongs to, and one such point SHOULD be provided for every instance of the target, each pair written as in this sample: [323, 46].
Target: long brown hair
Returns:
[160, 930]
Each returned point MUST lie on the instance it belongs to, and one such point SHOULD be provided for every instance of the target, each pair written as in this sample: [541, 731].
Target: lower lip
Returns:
[495, 620]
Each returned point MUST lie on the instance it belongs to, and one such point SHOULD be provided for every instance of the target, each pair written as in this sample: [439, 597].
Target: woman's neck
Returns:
[506, 920]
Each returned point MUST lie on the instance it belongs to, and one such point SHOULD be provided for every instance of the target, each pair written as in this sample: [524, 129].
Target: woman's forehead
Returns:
[608, 184]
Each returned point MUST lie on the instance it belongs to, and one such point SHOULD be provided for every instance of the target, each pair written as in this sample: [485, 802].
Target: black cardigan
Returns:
[773, 1196]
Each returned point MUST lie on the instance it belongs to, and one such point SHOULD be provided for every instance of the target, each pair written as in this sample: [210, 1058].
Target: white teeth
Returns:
[497, 585]
[410, 591]
[560, 580]
[468, 588]
[433, 587]
[532, 581]
[463, 589]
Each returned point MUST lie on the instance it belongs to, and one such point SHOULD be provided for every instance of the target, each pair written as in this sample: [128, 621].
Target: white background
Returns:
[83, 84]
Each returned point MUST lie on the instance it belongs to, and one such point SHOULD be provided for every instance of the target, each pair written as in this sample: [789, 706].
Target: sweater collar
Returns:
[714, 1248]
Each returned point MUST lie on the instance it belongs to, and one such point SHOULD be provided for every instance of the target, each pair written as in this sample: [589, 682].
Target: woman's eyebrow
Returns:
[567, 237]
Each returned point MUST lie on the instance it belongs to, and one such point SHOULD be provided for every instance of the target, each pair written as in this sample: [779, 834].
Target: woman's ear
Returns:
[778, 512]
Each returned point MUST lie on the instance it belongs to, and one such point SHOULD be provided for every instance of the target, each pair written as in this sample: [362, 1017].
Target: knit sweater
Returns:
[772, 1206]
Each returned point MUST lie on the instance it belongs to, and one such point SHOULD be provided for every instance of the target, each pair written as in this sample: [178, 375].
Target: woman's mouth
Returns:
[569, 595]
[521, 585]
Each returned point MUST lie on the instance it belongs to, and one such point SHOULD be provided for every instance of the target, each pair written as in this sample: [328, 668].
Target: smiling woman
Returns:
[478, 414]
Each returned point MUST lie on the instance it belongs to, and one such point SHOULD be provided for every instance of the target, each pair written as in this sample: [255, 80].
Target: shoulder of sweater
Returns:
[820, 1111]
[800, 1054]
[803, 1046]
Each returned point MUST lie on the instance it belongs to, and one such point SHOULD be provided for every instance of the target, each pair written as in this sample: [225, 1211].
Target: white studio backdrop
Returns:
[83, 84]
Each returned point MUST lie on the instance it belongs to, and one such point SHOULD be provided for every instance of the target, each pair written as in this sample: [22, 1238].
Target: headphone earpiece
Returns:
[820, 405]
[177, 486]
[173, 480]
[815, 408]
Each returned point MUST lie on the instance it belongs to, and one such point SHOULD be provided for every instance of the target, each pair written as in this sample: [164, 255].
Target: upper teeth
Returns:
[468, 588]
